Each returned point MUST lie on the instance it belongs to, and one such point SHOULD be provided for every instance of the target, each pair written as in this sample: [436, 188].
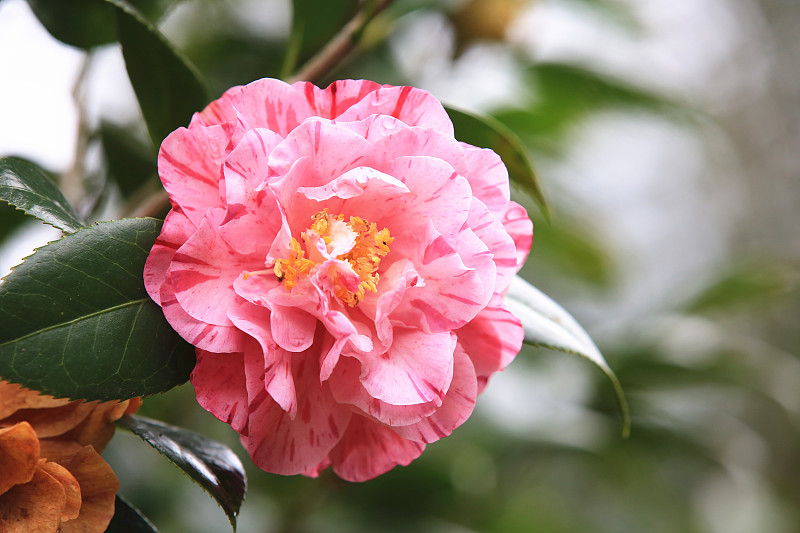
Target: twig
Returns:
[152, 206]
[72, 179]
[341, 44]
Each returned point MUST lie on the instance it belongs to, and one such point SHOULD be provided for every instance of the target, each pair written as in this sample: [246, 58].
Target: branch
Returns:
[341, 45]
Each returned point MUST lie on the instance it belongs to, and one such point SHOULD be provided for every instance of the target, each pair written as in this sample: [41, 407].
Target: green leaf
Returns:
[128, 519]
[86, 23]
[76, 321]
[168, 87]
[744, 286]
[81, 23]
[27, 187]
[314, 22]
[573, 248]
[486, 132]
[129, 160]
[567, 95]
[548, 325]
[208, 463]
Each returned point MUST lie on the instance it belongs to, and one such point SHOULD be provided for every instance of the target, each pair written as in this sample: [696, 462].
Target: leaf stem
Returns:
[341, 45]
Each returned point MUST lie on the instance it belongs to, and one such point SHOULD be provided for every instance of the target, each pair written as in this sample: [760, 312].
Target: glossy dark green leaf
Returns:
[486, 132]
[81, 23]
[128, 519]
[10, 219]
[86, 23]
[27, 187]
[548, 325]
[168, 87]
[76, 321]
[210, 464]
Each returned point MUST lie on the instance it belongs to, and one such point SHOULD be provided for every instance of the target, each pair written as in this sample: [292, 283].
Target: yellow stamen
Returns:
[370, 246]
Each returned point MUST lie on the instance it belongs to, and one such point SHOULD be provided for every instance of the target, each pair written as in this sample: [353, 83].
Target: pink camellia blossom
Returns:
[338, 258]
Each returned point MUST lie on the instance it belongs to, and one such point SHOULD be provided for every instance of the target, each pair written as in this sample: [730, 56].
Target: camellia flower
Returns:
[338, 259]
[53, 478]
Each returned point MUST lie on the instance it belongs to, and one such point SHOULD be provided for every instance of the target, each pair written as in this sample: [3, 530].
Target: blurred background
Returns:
[666, 136]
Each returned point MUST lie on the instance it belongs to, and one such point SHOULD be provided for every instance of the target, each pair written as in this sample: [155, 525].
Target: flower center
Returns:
[358, 241]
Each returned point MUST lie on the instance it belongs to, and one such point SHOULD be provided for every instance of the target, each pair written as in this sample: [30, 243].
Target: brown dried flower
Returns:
[53, 478]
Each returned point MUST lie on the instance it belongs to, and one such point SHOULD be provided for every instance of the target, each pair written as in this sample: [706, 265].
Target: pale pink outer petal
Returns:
[293, 329]
[190, 167]
[456, 407]
[347, 389]
[369, 449]
[312, 155]
[219, 385]
[487, 176]
[268, 367]
[394, 282]
[492, 339]
[203, 271]
[252, 216]
[265, 103]
[219, 339]
[337, 98]
[452, 293]
[176, 230]
[277, 443]
[410, 105]
[417, 368]
[491, 231]
[438, 196]
[518, 224]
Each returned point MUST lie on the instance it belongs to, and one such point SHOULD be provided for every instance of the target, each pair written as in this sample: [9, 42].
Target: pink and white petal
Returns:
[356, 182]
[487, 176]
[369, 449]
[218, 339]
[247, 166]
[253, 215]
[176, 230]
[491, 231]
[219, 384]
[392, 287]
[269, 103]
[203, 271]
[268, 367]
[347, 388]
[283, 445]
[190, 167]
[438, 195]
[412, 106]
[292, 328]
[456, 407]
[518, 224]
[492, 339]
[416, 369]
[476, 256]
[452, 293]
[337, 98]
[328, 149]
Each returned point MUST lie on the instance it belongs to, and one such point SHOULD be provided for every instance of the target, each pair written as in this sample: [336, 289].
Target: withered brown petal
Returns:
[97, 481]
[54, 421]
[19, 455]
[14, 397]
[72, 489]
[33, 506]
